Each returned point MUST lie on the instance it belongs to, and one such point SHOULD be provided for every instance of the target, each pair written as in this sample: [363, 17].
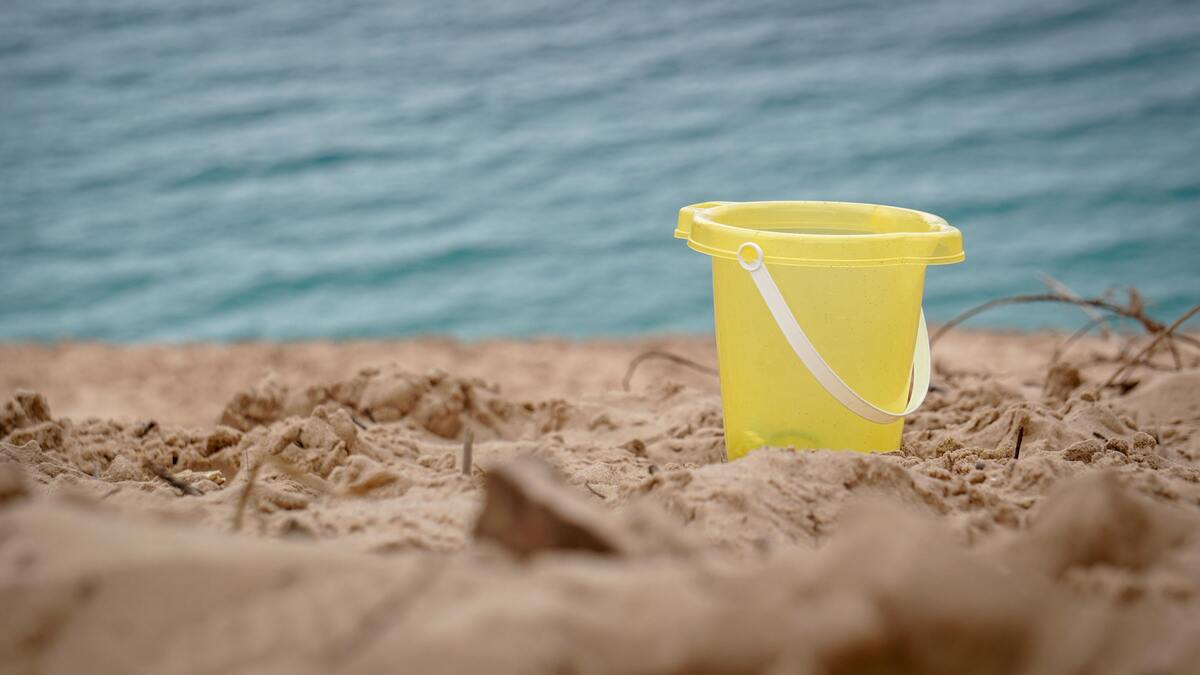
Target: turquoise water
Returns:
[225, 169]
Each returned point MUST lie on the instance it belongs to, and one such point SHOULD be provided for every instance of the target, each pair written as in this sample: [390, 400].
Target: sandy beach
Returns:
[381, 338]
[304, 508]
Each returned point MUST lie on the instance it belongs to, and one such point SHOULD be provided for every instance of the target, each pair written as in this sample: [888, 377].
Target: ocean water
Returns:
[223, 169]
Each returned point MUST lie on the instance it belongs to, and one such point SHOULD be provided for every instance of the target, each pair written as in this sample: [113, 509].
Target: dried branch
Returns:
[1135, 313]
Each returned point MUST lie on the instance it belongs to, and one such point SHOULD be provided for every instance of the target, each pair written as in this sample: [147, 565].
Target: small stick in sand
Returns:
[468, 442]
[1020, 437]
[655, 354]
[150, 426]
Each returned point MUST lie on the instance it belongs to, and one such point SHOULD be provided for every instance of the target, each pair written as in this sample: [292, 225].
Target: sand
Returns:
[304, 508]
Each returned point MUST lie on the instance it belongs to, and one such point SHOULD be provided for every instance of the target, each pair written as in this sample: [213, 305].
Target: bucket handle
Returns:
[816, 365]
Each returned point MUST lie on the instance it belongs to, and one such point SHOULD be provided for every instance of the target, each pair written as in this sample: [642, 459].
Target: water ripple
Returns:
[283, 169]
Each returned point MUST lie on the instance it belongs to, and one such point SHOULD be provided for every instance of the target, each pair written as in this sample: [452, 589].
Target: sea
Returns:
[187, 170]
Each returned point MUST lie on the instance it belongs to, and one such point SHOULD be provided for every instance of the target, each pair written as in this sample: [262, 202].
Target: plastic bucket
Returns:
[821, 339]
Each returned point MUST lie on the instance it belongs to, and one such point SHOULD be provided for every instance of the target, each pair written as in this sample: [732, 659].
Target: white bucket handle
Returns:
[816, 365]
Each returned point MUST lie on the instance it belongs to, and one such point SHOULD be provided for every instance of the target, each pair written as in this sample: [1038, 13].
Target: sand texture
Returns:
[304, 508]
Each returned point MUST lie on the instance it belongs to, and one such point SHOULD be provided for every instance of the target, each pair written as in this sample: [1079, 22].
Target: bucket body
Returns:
[853, 279]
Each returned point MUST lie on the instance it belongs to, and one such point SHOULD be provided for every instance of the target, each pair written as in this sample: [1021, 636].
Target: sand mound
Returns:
[323, 526]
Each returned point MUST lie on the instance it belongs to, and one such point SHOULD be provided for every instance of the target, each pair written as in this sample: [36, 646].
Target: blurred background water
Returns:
[223, 169]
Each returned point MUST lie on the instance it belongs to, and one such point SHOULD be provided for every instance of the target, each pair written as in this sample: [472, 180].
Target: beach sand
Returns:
[303, 508]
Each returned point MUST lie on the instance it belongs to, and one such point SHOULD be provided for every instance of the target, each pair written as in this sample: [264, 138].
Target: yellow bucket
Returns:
[820, 335]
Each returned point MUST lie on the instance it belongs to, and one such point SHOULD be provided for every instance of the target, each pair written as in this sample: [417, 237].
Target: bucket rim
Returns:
[872, 234]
